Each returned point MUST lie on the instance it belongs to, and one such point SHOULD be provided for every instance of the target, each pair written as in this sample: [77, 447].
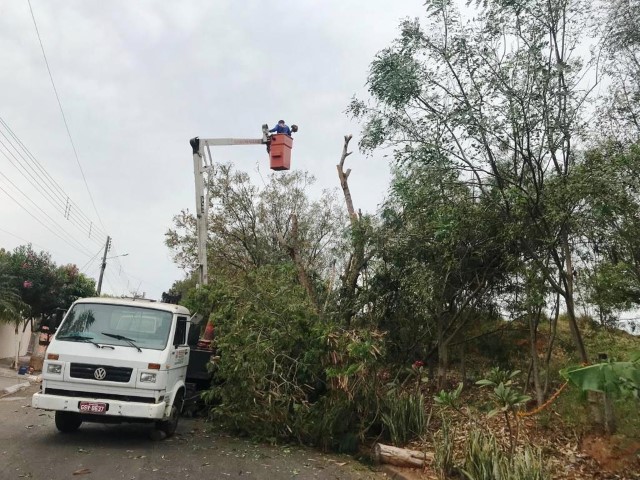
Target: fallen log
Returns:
[400, 457]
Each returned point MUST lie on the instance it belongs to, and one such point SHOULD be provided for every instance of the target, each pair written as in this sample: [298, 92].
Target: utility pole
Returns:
[107, 246]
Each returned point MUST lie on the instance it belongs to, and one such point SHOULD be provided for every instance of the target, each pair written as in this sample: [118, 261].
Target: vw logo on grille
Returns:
[100, 373]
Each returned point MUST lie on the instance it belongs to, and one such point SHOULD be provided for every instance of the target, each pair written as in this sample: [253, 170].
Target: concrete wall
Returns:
[9, 341]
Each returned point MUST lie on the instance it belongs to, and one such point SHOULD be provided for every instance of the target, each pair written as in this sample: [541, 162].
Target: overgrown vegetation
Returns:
[485, 460]
[509, 240]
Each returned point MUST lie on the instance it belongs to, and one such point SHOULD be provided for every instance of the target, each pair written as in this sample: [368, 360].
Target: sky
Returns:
[137, 80]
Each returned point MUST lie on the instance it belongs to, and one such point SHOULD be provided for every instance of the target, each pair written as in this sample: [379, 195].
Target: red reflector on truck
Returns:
[52, 356]
[153, 366]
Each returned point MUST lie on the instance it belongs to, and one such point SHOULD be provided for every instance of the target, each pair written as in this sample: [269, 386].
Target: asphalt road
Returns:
[31, 447]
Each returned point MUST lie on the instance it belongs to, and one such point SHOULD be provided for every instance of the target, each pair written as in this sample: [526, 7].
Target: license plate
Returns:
[93, 407]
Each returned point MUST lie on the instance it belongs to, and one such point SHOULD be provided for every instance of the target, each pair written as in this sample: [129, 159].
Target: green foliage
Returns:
[504, 394]
[248, 224]
[284, 374]
[404, 417]
[11, 304]
[271, 353]
[506, 400]
[394, 77]
[33, 285]
[483, 457]
[614, 378]
[439, 264]
[485, 460]
[352, 365]
[528, 465]
[496, 376]
[449, 398]
[443, 459]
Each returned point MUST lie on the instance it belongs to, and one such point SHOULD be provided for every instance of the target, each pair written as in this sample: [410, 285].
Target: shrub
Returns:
[443, 450]
[286, 374]
[485, 460]
[270, 344]
[404, 417]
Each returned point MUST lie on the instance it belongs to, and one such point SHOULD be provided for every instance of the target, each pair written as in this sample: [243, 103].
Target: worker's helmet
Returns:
[294, 128]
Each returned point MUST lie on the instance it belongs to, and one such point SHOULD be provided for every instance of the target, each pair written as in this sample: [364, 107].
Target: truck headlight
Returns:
[55, 368]
[148, 377]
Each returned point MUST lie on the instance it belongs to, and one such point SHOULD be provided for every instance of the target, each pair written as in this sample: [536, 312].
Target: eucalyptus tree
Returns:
[500, 97]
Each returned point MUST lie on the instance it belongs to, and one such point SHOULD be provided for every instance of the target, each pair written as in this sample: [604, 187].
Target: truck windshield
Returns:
[116, 325]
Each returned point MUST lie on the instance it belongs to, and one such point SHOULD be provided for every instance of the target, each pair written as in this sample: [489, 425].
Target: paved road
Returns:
[31, 447]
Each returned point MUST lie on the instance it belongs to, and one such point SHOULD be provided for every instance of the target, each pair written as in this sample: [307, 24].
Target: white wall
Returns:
[9, 341]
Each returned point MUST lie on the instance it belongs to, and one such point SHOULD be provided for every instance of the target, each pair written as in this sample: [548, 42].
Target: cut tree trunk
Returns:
[400, 457]
[357, 261]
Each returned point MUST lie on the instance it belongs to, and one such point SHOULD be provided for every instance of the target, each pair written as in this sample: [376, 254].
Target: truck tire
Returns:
[68, 422]
[169, 426]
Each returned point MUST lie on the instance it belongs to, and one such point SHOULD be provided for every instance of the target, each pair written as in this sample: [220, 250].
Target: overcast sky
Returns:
[138, 79]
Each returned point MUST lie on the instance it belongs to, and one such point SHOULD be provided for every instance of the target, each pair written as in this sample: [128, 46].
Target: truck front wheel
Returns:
[169, 426]
[68, 422]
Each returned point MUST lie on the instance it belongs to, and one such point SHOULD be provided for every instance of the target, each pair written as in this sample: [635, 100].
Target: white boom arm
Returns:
[200, 167]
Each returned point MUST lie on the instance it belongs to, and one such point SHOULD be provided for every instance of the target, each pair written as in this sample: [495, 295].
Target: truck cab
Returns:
[116, 360]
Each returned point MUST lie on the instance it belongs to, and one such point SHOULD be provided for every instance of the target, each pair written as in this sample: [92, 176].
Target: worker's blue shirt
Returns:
[281, 129]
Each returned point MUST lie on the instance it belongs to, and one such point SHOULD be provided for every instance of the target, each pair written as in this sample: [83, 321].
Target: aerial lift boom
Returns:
[280, 156]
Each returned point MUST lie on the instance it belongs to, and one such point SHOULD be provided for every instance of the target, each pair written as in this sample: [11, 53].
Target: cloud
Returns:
[138, 79]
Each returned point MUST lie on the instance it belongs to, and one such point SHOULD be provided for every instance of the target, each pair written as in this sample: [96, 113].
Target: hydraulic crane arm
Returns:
[198, 143]
[200, 166]
[232, 141]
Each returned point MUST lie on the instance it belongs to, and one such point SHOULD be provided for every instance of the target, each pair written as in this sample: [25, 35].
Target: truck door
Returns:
[179, 354]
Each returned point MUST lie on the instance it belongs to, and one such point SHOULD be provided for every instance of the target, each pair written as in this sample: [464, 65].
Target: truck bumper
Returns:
[116, 408]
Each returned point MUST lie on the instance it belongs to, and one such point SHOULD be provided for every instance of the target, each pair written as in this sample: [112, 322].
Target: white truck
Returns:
[114, 360]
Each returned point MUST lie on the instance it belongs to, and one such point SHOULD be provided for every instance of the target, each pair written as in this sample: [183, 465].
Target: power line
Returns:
[64, 232]
[24, 239]
[44, 224]
[56, 194]
[38, 188]
[90, 260]
[64, 118]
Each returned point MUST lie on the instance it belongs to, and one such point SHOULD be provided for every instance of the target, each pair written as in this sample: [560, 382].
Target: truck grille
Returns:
[88, 371]
[98, 396]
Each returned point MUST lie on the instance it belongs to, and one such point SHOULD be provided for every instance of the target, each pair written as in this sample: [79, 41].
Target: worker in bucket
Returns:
[281, 127]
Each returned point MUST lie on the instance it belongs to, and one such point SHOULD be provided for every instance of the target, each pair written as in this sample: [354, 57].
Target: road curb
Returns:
[18, 382]
[15, 388]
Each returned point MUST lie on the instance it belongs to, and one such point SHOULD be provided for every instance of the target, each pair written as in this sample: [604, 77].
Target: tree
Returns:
[609, 183]
[360, 245]
[251, 227]
[620, 109]
[32, 287]
[11, 304]
[441, 258]
[500, 99]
